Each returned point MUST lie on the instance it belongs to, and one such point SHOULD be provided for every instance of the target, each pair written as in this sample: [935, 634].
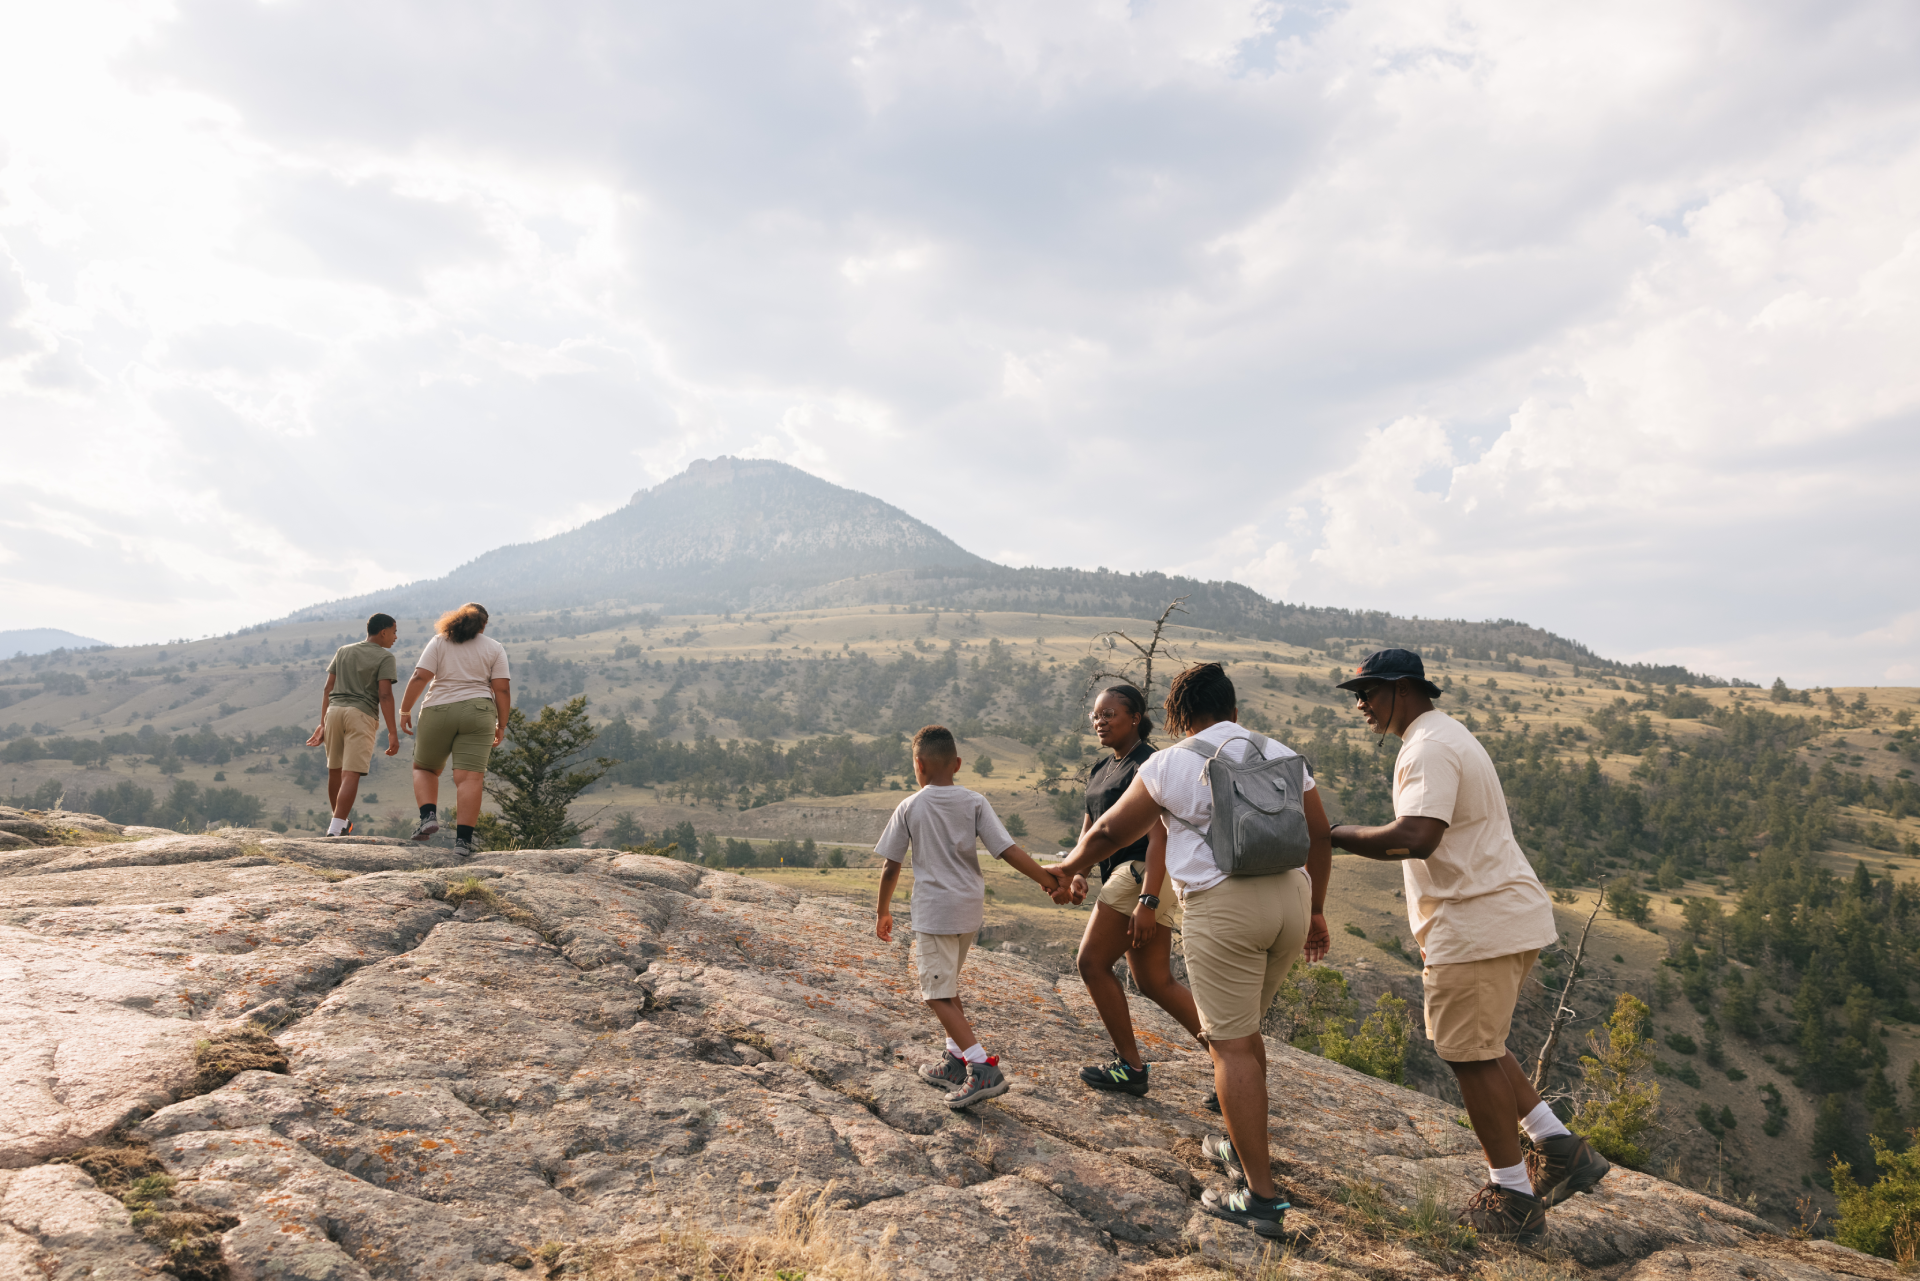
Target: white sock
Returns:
[953, 1047]
[336, 826]
[1541, 1124]
[1513, 1176]
[975, 1053]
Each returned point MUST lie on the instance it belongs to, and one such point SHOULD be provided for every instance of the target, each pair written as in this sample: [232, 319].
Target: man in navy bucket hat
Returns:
[1481, 917]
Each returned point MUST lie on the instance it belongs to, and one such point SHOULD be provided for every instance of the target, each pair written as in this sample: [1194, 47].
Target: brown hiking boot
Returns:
[1564, 1165]
[1500, 1214]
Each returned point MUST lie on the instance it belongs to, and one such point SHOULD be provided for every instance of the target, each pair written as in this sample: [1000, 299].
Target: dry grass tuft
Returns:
[324, 873]
[801, 1247]
[472, 889]
[226, 1055]
[190, 1234]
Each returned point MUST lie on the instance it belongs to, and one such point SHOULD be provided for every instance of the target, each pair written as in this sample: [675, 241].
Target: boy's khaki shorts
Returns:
[1121, 892]
[937, 959]
[463, 731]
[350, 735]
[1240, 938]
[1470, 1005]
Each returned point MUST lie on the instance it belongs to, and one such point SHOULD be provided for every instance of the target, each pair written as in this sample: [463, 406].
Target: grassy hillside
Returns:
[1762, 848]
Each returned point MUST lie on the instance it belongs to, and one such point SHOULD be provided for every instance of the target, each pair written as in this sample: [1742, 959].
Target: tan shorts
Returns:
[350, 734]
[463, 731]
[1470, 1005]
[1240, 938]
[937, 959]
[1121, 892]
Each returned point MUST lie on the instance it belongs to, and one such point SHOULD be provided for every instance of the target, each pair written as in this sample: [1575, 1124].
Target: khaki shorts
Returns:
[1240, 939]
[1121, 892]
[1470, 1005]
[462, 730]
[350, 734]
[937, 959]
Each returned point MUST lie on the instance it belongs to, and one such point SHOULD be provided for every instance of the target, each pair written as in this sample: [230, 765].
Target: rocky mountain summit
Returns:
[245, 1056]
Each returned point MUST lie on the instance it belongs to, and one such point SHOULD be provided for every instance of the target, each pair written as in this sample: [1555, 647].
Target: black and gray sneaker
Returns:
[950, 1073]
[428, 826]
[1266, 1216]
[1502, 1214]
[1564, 1165]
[463, 848]
[1218, 1148]
[1118, 1076]
[984, 1081]
[1211, 1103]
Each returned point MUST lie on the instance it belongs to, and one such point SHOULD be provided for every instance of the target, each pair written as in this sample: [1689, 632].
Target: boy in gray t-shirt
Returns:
[940, 824]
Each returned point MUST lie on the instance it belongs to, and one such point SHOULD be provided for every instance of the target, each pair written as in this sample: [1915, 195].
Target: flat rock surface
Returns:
[609, 1047]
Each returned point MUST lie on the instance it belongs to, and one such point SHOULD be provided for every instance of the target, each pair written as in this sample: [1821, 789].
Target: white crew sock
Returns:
[975, 1053]
[336, 826]
[1542, 1124]
[1513, 1176]
[953, 1047]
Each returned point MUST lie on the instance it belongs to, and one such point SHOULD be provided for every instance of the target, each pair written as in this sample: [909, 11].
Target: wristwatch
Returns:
[1150, 900]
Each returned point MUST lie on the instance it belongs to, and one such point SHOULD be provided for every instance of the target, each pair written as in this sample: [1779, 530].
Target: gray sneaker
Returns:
[428, 826]
[1266, 1217]
[1218, 1148]
[463, 848]
[984, 1081]
[950, 1073]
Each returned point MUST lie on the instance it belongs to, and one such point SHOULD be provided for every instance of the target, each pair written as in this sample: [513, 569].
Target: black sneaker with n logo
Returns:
[1118, 1076]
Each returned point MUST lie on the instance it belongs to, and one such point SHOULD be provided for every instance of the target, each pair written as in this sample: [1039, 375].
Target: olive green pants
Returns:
[462, 730]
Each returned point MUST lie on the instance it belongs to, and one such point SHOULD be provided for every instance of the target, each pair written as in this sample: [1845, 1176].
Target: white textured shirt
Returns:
[941, 826]
[1174, 778]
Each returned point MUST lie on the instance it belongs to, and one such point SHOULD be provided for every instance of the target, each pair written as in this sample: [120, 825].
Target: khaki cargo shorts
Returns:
[937, 959]
[350, 735]
[1470, 1005]
[1121, 892]
[463, 731]
[1240, 939]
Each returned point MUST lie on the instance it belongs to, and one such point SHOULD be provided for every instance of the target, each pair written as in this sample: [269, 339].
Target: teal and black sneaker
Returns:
[1119, 1076]
[1218, 1148]
[1264, 1216]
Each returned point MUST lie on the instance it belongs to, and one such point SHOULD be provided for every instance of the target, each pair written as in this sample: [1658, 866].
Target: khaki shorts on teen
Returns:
[1240, 939]
[1121, 892]
[350, 734]
[1470, 1005]
[937, 959]
[463, 731]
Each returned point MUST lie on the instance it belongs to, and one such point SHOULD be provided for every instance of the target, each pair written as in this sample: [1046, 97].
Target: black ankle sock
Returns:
[464, 832]
[428, 811]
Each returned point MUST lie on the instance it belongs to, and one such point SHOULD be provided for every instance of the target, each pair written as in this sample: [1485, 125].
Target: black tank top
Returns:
[1106, 784]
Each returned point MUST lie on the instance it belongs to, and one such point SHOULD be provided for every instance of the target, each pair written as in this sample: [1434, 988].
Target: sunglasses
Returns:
[1366, 695]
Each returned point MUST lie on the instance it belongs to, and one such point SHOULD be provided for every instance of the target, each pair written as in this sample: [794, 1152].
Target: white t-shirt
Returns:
[940, 825]
[1475, 896]
[1173, 778]
[462, 669]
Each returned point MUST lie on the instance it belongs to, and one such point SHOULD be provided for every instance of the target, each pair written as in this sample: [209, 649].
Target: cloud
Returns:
[1596, 317]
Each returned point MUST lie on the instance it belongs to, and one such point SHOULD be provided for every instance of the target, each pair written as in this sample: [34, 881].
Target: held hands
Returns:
[883, 926]
[1319, 942]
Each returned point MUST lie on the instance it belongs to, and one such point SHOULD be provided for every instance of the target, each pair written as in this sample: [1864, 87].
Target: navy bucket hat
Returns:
[1392, 665]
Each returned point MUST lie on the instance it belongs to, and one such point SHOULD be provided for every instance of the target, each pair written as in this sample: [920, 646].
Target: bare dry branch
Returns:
[1564, 1013]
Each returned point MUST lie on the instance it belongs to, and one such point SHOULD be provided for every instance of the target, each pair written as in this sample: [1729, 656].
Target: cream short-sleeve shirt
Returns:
[1476, 896]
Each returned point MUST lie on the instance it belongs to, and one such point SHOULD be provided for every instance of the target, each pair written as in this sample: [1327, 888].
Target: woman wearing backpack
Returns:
[1241, 938]
[1130, 917]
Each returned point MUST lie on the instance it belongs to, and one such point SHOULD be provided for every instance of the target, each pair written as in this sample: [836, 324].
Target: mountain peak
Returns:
[725, 470]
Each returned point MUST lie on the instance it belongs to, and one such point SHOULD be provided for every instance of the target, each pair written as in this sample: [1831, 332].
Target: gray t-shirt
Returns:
[941, 824]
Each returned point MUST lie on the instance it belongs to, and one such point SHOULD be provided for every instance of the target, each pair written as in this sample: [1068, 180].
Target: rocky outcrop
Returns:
[498, 1068]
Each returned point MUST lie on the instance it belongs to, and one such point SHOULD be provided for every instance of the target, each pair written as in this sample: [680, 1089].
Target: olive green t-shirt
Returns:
[357, 671]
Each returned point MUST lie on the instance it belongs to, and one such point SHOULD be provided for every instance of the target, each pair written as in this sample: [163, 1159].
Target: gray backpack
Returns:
[1259, 827]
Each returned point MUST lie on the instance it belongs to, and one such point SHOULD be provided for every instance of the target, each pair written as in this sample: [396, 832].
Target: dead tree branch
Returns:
[1564, 1013]
[1154, 649]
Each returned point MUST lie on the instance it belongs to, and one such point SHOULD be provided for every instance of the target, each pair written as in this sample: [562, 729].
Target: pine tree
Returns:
[536, 774]
[1619, 1106]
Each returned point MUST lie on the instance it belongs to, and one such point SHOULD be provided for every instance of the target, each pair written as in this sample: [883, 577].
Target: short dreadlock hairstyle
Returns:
[1198, 696]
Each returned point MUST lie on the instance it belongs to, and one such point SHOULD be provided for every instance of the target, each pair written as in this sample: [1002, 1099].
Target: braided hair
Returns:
[1136, 705]
[1199, 696]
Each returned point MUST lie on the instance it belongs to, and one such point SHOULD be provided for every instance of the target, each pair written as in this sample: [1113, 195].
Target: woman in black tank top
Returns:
[1124, 921]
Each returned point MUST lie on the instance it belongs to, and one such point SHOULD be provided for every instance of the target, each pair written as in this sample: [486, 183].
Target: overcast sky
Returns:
[1604, 317]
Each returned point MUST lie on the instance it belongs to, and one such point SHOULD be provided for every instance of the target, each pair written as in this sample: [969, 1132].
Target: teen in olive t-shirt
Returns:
[357, 671]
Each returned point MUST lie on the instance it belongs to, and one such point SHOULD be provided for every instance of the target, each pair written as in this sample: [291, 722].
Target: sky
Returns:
[1603, 317]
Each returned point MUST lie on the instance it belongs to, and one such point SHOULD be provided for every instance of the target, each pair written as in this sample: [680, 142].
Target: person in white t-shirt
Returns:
[1481, 917]
[463, 673]
[1241, 934]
